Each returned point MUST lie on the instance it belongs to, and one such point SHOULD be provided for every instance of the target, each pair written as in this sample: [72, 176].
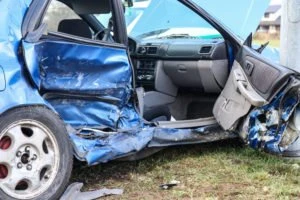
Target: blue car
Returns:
[120, 80]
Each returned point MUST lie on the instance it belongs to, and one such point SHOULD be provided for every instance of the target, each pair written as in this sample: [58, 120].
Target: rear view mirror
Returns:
[248, 41]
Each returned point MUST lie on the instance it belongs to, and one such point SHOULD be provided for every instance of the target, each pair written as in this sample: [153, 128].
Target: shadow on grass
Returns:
[120, 169]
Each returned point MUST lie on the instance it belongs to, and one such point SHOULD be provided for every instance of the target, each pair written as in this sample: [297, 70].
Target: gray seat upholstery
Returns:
[156, 106]
[75, 27]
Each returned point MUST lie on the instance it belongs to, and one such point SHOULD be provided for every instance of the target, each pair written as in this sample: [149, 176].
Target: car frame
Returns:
[65, 96]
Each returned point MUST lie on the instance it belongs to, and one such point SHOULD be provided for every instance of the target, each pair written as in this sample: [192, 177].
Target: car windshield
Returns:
[156, 19]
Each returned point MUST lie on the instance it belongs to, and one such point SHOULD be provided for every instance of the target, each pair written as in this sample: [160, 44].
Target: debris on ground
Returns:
[73, 192]
[295, 166]
[170, 185]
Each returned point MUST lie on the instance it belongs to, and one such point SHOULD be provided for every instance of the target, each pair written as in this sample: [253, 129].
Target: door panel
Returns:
[68, 68]
[231, 105]
[87, 84]
[266, 78]
[253, 81]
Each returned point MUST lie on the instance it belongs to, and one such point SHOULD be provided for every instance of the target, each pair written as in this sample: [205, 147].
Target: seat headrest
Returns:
[76, 27]
[84, 7]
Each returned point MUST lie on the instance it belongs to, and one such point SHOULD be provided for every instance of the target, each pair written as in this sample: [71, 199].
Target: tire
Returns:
[44, 157]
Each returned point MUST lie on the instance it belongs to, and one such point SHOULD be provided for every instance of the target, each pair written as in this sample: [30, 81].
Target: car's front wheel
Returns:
[35, 155]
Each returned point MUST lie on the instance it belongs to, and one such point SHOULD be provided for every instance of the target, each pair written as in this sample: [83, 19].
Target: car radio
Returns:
[146, 71]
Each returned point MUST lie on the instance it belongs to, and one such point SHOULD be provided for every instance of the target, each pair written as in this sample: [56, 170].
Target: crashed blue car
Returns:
[120, 80]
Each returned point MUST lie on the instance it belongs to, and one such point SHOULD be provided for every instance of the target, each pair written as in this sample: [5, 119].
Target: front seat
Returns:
[156, 106]
[156, 114]
[76, 27]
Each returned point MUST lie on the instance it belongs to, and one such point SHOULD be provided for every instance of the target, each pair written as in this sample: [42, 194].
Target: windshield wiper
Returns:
[262, 47]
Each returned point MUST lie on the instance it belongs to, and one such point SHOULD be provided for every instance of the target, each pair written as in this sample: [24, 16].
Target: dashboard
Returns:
[158, 60]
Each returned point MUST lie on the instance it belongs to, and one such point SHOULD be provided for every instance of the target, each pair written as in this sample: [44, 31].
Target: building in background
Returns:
[270, 23]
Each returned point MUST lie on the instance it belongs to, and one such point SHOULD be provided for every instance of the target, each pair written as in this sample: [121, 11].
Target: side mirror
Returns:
[248, 41]
[128, 3]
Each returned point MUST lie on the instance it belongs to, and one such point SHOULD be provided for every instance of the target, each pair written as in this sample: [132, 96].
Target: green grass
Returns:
[223, 170]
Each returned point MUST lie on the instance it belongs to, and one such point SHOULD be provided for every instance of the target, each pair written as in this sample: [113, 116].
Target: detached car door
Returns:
[253, 82]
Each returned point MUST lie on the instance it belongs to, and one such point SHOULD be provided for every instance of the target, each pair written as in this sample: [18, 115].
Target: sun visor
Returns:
[86, 7]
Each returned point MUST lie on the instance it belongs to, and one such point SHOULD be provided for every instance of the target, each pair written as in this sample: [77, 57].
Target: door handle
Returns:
[182, 69]
[248, 92]
[249, 68]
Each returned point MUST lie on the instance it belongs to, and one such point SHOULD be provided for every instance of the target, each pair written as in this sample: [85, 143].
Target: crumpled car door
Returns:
[87, 82]
[253, 82]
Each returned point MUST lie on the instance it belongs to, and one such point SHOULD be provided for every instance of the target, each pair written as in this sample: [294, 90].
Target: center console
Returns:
[145, 70]
[146, 64]
[165, 65]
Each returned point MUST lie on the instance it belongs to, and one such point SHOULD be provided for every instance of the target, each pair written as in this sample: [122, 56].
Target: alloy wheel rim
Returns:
[29, 159]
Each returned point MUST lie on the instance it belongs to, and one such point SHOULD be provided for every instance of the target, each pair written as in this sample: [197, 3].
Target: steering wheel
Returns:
[103, 35]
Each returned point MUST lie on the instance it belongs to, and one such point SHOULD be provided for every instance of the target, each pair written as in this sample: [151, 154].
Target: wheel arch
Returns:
[47, 106]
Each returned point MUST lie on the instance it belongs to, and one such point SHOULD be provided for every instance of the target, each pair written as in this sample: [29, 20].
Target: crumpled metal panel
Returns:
[87, 85]
[106, 147]
[18, 91]
[268, 124]
[73, 193]
[61, 66]
[84, 113]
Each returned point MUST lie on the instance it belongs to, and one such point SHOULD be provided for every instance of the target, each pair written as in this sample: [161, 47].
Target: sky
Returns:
[276, 2]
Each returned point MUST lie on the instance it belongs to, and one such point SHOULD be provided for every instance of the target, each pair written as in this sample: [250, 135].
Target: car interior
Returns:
[182, 77]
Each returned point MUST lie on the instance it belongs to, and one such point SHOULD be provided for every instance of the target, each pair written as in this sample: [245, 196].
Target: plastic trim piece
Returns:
[189, 123]
[82, 40]
[241, 84]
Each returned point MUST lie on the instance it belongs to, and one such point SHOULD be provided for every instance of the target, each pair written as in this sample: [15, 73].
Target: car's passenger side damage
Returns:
[271, 127]
[79, 88]
[96, 99]
[89, 84]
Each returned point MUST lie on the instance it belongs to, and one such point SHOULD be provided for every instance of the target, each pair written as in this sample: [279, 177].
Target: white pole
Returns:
[290, 34]
[290, 52]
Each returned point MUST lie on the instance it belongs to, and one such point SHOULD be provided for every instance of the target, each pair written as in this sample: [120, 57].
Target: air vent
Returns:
[152, 50]
[142, 50]
[205, 49]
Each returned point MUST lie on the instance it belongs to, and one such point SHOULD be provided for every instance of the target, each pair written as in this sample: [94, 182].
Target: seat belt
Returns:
[140, 93]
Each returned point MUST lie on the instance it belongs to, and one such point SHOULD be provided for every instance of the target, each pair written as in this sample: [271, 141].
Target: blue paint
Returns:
[230, 57]
[18, 90]
[85, 113]
[2, 79]
[67, 67]
[109, 147]
[113, 146]
[88, 85]
[270, 139]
